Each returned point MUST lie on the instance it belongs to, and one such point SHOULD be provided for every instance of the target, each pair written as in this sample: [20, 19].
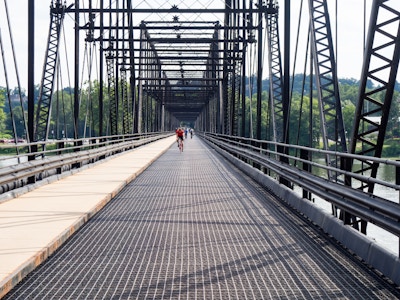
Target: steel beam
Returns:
[381, 61]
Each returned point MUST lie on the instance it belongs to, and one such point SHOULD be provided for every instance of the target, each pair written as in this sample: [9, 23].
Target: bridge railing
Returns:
[56, 157]
[264, 156]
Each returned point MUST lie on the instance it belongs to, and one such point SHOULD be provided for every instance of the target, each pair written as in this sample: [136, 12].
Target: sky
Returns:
[350, 32]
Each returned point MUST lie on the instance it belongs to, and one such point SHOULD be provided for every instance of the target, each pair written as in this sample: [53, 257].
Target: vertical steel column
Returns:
[259, 70]
[147, 83]
[101, 71]
[31, 81]
[286, 73]
[117, 79]
[49, 72]
[369, 102]
[285, 91]
[76, 71]
[213, 108]
[225, 70]
[327, 83]
[331, 118]
[31, 68]
[232, 83]
[381, 61]
[76, 84]
[220, 102]
[126, 113]
[132, 68]
[244, 66]
[111, 80]
[110, 61]
[140, 88]
[275, 73]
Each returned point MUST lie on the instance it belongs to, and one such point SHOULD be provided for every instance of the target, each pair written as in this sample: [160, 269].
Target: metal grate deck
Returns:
[193, 227]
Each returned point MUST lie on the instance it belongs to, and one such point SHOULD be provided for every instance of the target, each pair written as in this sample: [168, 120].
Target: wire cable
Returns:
[16, 71]
[9, 96]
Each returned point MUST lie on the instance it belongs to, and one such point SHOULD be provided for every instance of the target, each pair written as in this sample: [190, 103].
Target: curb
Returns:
[10, 281]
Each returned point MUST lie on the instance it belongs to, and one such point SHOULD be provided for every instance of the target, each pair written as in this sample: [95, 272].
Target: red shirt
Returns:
[179, 132]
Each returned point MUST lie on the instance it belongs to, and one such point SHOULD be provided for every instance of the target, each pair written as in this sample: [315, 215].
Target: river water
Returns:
[382, 237]
[11, 161]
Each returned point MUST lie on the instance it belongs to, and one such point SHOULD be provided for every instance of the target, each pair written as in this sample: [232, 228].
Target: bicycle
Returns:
[180, 145]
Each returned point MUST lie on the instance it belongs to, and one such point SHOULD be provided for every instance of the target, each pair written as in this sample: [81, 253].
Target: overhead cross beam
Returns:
[169, 55]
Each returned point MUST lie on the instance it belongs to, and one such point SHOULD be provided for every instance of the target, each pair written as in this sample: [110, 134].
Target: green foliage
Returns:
[391, 148]
[348, 112]
[3, 116]
[62, 119]
[299, 119]
[61, 124]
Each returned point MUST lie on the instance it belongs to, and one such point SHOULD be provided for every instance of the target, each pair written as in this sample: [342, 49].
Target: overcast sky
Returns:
[350, 34]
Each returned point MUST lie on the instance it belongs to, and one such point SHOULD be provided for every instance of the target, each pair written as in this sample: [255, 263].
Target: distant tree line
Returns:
[299, 127]
[61, 121]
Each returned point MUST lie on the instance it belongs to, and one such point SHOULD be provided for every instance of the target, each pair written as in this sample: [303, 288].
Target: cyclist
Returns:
[179, 136]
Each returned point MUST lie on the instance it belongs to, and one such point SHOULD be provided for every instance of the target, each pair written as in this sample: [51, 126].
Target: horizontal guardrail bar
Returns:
[44, 165]
[374, 209]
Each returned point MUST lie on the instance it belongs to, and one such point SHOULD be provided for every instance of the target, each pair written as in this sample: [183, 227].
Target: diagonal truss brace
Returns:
[57, 12]
[276, 78]
[126, 104]
[113, 110]
[332, 126]
[381, 63]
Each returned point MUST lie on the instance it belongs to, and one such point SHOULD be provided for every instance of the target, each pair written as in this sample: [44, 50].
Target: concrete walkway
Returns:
[35, 224]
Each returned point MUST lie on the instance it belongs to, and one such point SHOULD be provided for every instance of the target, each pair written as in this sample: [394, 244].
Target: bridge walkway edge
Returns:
[35, 224]
[363, 246]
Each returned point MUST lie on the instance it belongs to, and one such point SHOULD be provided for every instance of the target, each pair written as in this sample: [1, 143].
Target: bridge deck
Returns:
[192, 226]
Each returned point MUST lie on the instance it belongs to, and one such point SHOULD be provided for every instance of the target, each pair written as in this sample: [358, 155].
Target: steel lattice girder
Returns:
[41, 132]
[186, 78]
[380, 65]
[165, 38]
[333, 131]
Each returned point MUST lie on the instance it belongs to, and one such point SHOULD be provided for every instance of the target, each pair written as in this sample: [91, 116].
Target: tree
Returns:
[393, 129]
[348, 112]
[3, 117]
[299, 121]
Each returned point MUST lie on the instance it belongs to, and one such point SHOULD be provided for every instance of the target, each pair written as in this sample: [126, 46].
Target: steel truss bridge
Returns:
[187, 64]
